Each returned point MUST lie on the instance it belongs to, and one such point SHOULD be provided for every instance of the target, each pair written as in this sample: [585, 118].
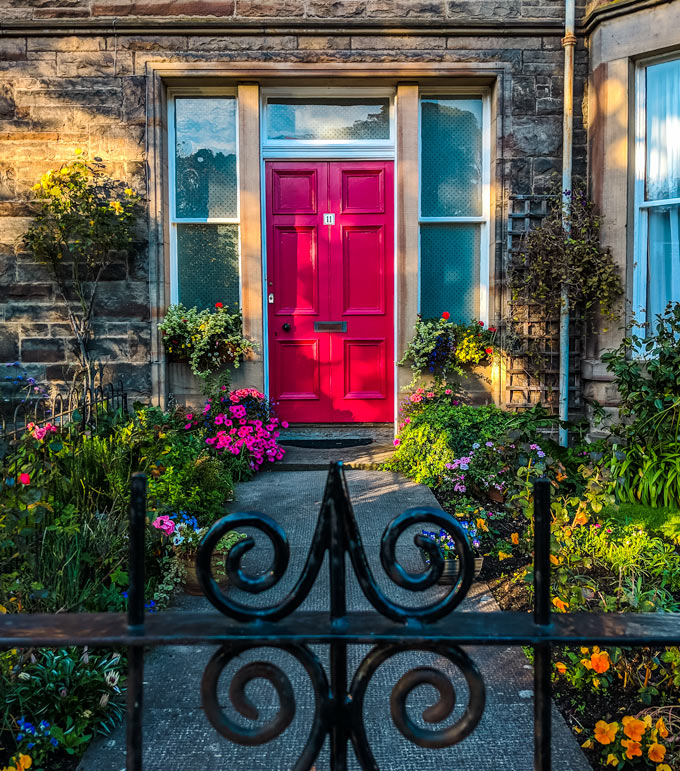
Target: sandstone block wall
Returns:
[73, 74]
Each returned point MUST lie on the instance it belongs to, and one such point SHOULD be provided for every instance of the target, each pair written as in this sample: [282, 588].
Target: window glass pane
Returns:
[451, 158]
[207, 265]
[205, 157]
[663, 271]
[449, 271]
[344, 119]
[663, 131]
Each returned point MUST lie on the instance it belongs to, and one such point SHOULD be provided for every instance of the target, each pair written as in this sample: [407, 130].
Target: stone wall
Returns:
[86, 88]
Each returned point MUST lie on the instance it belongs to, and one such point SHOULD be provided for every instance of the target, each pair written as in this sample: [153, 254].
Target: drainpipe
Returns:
[568, 43]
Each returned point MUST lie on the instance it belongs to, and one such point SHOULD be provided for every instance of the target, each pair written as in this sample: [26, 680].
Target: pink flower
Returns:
[25, 479]
[407, 420]
[430, 395]
[284, 424]
[187, 426]
[190, 416]
[164, 524]
[396, 442]
[448, 392]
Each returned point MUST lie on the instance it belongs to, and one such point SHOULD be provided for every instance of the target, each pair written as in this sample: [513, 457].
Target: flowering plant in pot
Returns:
[442, 348]
[184, 536]
[447, 547]
[208, 340]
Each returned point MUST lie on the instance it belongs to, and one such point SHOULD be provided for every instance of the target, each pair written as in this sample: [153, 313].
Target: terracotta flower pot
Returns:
[192, 585]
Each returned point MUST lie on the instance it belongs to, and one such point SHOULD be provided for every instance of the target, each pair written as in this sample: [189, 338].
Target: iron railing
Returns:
[392, 629]
[59, 409]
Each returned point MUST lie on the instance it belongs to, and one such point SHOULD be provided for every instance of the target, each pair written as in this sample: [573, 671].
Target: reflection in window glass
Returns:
[205, 157]
[663, 131]
[449, 270]
[451, 157]
[341, 119]
[663, 267]
[208, 265]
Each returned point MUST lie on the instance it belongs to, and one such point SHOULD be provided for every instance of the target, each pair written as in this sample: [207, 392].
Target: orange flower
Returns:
[503, 556]
[657, 752]
[560, 604]
[561, 667]
[661, 728]
[600, 662]
[581, 518]
[605, 733]
[481, 524]
[633, 749]
[633, 728]
[554, 560]
[515, 538]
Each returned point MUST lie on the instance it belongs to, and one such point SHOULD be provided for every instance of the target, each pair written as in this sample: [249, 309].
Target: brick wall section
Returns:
[87, 90]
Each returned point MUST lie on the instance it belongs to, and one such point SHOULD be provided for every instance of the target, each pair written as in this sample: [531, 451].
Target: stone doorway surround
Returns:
[249, 78]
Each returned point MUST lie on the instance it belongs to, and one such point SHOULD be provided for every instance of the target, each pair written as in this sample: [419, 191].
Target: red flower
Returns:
[445, 315]
[25, 479]
[488, 350]
[481, 323]
[219, 305]
[492, 329]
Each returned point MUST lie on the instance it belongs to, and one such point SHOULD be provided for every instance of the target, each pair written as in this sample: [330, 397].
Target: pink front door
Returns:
[331, 290]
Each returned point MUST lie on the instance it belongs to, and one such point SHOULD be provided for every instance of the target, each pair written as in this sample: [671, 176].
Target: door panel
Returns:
[341, 272]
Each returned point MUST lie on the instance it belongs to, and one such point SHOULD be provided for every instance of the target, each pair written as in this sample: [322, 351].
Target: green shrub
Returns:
[440, 432]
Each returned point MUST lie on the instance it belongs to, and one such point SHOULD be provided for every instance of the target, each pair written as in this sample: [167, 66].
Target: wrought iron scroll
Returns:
[339, 705]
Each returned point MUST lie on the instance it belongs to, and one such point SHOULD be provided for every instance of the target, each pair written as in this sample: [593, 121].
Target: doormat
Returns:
[328, 444]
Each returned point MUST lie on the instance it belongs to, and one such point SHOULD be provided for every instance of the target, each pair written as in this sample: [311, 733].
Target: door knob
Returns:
[286, 327]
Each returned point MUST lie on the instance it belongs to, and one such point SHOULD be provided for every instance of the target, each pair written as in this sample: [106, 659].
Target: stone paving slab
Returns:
[178, 735]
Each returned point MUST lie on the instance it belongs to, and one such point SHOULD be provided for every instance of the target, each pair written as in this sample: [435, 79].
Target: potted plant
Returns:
[207, 340]
[184, 538]
[447, 547]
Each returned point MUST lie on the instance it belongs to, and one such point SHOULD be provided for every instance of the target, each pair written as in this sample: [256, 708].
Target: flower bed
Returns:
[63, 547]
[481, 464]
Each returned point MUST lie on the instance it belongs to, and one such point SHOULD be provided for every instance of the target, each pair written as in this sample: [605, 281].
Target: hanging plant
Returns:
[442, 348]
[208, 340]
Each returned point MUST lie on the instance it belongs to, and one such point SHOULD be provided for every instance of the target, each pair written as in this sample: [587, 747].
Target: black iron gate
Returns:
[392, 630]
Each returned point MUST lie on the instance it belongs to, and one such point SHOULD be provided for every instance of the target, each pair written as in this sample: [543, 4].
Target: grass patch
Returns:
[664, 520]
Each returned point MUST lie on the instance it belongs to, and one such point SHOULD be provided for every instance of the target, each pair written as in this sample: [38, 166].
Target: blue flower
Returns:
[54, 742]
[9, 482]
[30, 745]
[44, 724]
[124, 595]
[20, 737]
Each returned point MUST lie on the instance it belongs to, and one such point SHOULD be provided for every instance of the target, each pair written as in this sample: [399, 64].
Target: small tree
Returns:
[85, 217]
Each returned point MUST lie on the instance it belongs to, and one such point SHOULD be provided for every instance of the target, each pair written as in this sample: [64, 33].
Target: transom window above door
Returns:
[316, 121]
[204, 201]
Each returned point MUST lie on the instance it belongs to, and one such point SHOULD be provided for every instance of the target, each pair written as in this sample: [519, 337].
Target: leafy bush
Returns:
[55, 701]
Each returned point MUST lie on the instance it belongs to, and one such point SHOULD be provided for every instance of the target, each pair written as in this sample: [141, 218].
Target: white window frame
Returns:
[367, 149]
[642, 206]
[174, 221]
[485, 218]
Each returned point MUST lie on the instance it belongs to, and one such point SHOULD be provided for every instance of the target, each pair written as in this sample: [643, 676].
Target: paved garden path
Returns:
[177, 735]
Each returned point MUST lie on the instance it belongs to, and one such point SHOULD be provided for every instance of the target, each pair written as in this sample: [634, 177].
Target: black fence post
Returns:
[542, 690]
[135, 686]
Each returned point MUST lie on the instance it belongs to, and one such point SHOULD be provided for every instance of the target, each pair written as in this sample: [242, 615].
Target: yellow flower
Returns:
[128, 191]
[503, 556]
[116, 206]
[633, 748]
[612, 760]
[657, 752]
[515, 538]
[560, 604]
[633, 728]
[78, 151]
[3, 609]
[605, 733]
[588, 744]
[596, 682]
[561, 667]
[661, 728]
[664, 767]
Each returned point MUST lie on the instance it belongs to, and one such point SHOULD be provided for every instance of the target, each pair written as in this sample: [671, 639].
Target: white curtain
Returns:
[663, 280]
[663, 131]
[662, 183]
